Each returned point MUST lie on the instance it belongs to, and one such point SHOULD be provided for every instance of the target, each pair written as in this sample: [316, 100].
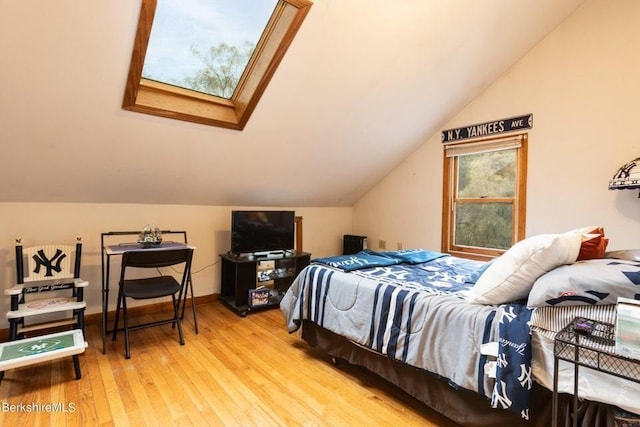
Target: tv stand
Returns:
[273, 272]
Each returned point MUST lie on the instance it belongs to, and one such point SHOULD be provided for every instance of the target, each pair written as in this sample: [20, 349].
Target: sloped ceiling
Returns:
[363, 85]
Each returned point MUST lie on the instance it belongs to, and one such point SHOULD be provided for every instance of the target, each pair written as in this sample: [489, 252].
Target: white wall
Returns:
[582, 84]
[208, 228]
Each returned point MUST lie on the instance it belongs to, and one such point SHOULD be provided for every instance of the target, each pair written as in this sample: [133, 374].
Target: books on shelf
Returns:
[628, 328]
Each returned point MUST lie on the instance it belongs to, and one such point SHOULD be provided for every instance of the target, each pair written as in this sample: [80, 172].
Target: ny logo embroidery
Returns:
[51, 265]
[507, 315]
[37, 347]
[502, 360]
[525, 377]
[500, 396]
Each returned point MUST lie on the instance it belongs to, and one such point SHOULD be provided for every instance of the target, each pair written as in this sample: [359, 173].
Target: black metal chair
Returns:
[155, 286]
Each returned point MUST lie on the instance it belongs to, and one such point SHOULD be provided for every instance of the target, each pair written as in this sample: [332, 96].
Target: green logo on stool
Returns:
[40, 346]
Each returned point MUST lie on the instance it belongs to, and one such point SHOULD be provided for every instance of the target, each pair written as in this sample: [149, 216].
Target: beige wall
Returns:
[582, 84]
[208, 228]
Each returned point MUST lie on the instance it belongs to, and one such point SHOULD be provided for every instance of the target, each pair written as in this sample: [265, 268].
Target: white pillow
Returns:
[590, 282]
[511, 276]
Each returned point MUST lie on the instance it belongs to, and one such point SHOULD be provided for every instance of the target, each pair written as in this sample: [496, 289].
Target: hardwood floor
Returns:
[235, 372]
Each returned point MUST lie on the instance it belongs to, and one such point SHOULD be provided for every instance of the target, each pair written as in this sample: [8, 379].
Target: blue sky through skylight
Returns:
[179, 24]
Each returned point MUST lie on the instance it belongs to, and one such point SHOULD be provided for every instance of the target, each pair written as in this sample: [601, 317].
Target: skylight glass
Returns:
[205, 45]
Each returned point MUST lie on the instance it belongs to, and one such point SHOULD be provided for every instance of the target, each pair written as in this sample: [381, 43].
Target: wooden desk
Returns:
[118, 249]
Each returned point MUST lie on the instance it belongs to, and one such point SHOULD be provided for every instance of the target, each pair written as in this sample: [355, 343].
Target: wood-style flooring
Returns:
[236, 372]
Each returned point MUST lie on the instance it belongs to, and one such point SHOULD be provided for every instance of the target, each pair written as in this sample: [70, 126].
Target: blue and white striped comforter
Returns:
[418, 314]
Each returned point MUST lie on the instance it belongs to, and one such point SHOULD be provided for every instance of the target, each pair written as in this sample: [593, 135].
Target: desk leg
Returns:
[105, 305]
[189, 286]
[193, 306]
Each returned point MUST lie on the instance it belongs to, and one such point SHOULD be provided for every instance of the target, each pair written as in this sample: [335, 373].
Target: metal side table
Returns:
[589, 343]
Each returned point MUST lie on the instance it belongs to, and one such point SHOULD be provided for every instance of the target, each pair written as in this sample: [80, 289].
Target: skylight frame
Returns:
[166, 100]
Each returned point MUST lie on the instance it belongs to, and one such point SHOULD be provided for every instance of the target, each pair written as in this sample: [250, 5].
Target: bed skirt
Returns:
[462, 406]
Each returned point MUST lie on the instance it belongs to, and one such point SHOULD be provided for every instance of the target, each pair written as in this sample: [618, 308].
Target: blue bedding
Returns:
[368, 258]
[418, 314]
[356, 261]
[440, 275]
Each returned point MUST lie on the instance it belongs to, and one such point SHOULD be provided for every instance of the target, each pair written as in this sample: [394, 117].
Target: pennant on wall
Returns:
[488, 128]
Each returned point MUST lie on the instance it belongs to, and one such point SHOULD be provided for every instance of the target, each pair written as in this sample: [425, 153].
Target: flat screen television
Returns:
[262, 231]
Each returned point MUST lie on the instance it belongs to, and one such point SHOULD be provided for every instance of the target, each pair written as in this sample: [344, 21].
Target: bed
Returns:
[473, 340]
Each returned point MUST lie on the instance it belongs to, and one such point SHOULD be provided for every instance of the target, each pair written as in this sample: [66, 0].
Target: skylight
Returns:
[208, 61]
[205, 45]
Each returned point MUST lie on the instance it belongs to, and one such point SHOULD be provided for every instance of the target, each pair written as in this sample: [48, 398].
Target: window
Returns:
[189, 49]
[484, 196]
[232, 74]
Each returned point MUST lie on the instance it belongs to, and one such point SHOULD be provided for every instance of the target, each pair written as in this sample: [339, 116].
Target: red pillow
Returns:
[594, 245]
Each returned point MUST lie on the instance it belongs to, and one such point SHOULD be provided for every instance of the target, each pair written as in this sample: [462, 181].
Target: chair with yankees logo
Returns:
[48, 297]
[52, 272]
